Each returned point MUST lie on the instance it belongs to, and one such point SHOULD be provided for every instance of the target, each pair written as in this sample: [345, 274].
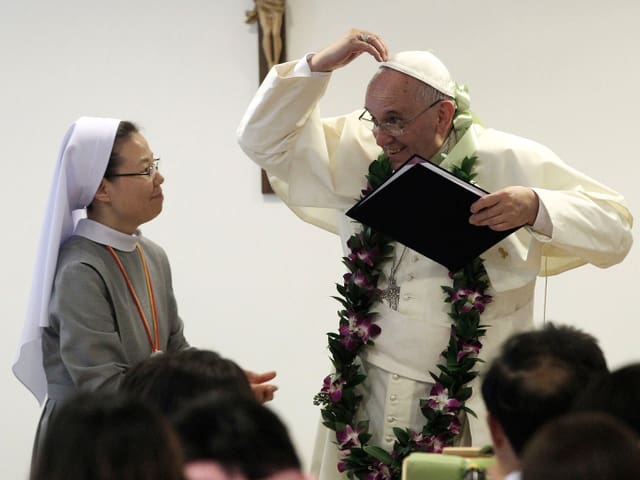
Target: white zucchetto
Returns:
[424, 66]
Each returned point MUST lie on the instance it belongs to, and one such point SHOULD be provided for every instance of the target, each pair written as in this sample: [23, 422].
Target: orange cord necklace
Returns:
[154, 340]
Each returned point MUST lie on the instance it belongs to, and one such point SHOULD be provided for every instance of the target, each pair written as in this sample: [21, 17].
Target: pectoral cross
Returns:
[392, 294]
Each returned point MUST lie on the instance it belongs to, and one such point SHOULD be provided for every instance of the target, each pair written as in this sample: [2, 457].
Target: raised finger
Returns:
[372, 44]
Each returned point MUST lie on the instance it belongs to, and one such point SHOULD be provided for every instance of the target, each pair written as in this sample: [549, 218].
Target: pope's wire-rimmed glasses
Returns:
[150, 171]
[395, 126]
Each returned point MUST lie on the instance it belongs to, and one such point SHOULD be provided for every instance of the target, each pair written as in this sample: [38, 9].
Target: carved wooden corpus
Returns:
[270, 17]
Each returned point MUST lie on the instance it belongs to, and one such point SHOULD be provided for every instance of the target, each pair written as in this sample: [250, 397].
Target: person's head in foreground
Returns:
[170, 380]
[535, 378]
[584, 446]
[228, 437]
[616, 393]
[107, 437]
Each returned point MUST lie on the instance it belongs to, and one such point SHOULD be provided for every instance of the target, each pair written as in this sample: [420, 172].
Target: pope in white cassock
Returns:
[412, 106]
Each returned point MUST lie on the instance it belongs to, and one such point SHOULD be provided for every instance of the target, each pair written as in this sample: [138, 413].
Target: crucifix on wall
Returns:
[269, 15]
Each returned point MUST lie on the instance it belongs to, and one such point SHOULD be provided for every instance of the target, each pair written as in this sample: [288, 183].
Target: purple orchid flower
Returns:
[473, 300]
[360, 279]
[460, 294]
[470, 348]
[421, 441]
[342, 456]
[365, 256]
[379, 471]
[454, 425]
[439, 399]
[437, 444]
[332, 386]
[348, 438]
[365, 329]
[430, 443]
[358, 326]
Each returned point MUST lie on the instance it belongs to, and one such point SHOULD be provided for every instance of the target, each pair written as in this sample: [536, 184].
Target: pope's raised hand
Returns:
[346, 49]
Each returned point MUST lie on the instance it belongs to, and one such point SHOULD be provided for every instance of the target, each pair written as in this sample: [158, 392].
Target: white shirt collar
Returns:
[515, 475]
[104, 235]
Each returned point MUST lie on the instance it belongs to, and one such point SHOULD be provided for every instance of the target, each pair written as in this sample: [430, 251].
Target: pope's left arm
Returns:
[586, 221]
[593, 224]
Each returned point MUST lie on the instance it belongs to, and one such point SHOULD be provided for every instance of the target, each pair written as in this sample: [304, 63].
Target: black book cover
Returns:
[426, 208]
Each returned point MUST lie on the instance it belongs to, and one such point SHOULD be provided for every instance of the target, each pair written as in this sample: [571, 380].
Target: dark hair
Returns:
[244, 436]
[537, 376]
[616, 393]
[106, 437]
[588, 446]
[169, 380]
[124, 131]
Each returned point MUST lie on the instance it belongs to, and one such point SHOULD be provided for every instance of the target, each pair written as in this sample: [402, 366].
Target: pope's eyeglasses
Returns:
[395, 127]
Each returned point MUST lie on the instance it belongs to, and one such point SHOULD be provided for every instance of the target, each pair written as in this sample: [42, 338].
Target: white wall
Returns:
[254, 282]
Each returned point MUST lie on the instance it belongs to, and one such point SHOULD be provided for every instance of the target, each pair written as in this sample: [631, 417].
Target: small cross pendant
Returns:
[392, 294]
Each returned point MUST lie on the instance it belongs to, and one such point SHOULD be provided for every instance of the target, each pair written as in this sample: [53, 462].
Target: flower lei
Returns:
[359, 292]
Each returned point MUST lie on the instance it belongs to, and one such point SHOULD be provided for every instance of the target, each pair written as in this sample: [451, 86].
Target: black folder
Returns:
[426, 208]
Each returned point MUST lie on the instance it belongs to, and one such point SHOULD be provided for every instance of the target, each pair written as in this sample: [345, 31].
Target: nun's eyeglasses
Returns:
[150, 171]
